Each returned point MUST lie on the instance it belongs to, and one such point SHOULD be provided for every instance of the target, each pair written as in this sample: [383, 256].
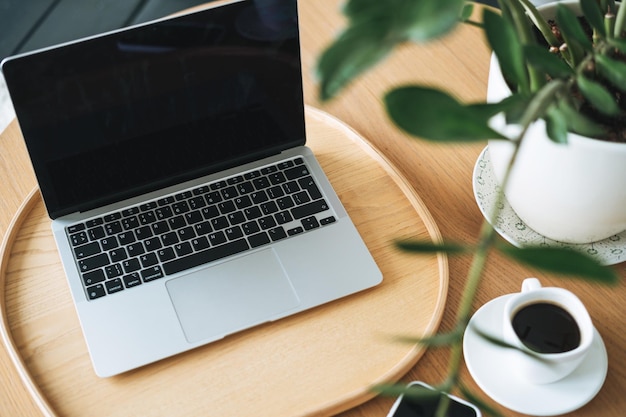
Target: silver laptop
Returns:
[184, 204]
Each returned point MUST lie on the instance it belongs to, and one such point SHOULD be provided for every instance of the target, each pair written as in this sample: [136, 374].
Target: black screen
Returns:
[128, 112]
[425, 408]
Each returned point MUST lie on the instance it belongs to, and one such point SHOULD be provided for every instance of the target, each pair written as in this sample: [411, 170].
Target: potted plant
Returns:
[559, 82]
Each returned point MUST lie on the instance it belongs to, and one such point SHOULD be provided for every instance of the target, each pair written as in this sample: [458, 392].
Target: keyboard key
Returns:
[79, 238]
[233, 233]
[93, 262]
[87, 250]
[193, 217]
[130, 211]
[152, 244]
[235, 180]
[169, 239]
[148, 206]
[131, 265]
[199, 243]
[269, 208]
[113, 271]
[96, 233]
[220, 223]
[284, 165]
[295, 231]
[296, 172]
[309, 209]
[308, 184]
[96, 291]
[148, 259]
[109, 243]
[147, 218]
[285, 203]
[252, 213]
[93, 277]
[210, 212]
[197, 203]
[143, 232]
[243, 202]
[310, 223]
[126, 238]
[275, 192]
[163, 213]
[183, 248]
[291, 187]
[132, 280]
[277, 233]
[166, 201]
[268, 170]
[245, 188]
[267, 222]
[76, 228]
[113, 228]
[250, 228]
[159, 228]
[111, 217]
[277, 178]
[166, 254]
[118, 254]
[327, 220]
[236, 218]
[216, 238]
[259, 197]
[213, 197]
[185, 195]
[205, 256]
[130, 223]
[259, 239]
[283, 217]
[135, 249]
[152, 273]
[203, 228]
[176, 222]
[226, 207]
[186, 233]
[229, 192]
[114, 285]
[301, 198]
[180, 207]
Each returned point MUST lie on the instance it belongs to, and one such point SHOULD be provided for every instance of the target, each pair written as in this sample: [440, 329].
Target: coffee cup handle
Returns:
[530, 284]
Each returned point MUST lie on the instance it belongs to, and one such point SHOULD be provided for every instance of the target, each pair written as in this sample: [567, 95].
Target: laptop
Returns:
[185, 205]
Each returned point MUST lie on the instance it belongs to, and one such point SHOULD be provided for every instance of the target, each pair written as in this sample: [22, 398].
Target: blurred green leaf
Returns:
[614, 71]
[468, 9]
[597, 95]
[505, 44]
[429, 247]
[552, 64]
[562, 261]
[591, 11]
[515, 103]
[620, 44]
[439, 339]
[375, 28]
[356, 50]
[497, 341]
[432, 114]
[571, 29]
[407, 19]
[577, 122]
[556, 125]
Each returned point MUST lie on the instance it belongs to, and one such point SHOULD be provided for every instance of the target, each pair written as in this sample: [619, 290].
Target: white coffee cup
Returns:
[537, 366]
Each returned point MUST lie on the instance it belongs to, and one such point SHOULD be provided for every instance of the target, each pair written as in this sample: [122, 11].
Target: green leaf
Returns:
[578, 123]
[617, 43]
[468, 9]
[407, 19]
[552, 64]
[614, 71]
[597, 95]
[355, 51]
[439, 339]
[556, 125]
[571, 29]
[432, 114]
[497, 341]
[507, 47]
[429, 247]
[593, 14]
[562, 261]
[375, 28]
[515, 103]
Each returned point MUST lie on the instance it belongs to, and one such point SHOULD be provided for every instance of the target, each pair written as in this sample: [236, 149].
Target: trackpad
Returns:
[231, 296]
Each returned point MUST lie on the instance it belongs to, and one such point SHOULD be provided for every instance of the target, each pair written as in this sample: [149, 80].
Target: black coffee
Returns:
[546, 328]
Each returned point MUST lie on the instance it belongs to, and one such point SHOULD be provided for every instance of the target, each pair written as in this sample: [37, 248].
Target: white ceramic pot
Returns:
[574, 193]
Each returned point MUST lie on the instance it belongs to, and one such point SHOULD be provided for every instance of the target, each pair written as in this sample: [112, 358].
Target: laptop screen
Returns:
[132, 111]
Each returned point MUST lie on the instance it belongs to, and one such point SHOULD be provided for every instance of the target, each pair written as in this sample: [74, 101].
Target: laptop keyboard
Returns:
[143, 243]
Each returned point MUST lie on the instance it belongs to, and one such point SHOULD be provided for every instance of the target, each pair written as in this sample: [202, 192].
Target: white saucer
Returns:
[608, 252]
[488, 364]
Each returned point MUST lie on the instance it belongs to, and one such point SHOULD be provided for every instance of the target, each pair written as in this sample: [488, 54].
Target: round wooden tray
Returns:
[319, 362]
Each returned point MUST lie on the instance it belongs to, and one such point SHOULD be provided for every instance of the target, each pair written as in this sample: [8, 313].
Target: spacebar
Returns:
[205, 256]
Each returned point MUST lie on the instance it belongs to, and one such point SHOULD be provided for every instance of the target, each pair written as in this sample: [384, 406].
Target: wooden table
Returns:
[440, 175]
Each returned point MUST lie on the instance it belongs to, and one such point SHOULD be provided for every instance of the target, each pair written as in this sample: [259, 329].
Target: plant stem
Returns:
[486, 237]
